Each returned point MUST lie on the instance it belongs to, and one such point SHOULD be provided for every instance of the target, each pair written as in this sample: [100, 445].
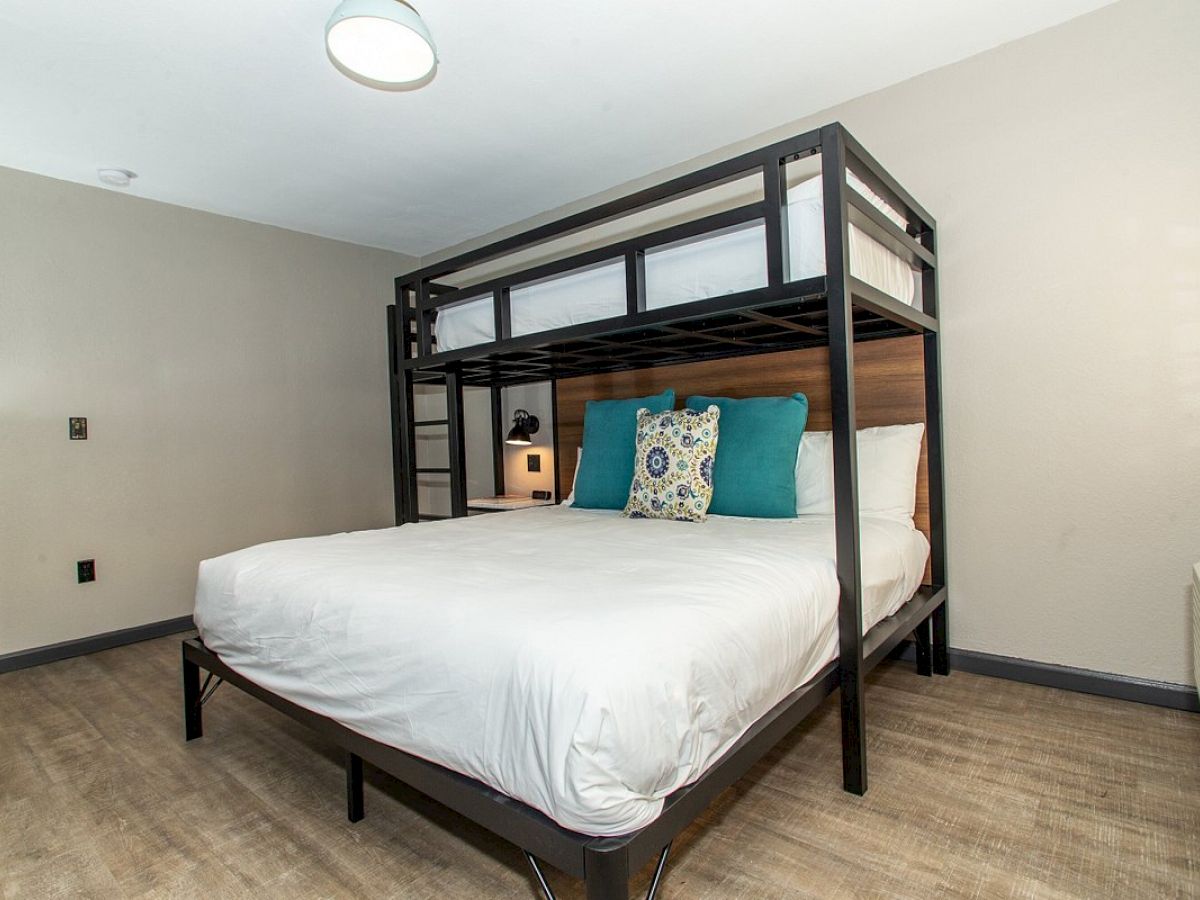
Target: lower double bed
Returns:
[582, 663]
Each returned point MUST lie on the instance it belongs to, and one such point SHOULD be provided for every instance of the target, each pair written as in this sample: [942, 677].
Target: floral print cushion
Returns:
[673, 465]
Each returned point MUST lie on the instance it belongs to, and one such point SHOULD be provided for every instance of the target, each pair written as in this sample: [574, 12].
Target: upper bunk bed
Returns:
[749, 277]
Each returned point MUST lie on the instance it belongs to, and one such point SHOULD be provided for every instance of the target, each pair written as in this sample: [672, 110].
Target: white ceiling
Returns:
[232, 106]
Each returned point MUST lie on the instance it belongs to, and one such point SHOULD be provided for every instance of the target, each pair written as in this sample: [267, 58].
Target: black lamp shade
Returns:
[524, 425]
[518, 436]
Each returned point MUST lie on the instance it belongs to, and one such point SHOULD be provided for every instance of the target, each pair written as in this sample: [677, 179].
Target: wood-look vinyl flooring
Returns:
[979, 788]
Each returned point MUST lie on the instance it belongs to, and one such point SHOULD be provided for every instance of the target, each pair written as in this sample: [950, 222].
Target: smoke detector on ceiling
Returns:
[116, 177]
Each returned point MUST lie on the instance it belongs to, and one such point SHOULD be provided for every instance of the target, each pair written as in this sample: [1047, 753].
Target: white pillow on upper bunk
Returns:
[888, 457]
[810, 189]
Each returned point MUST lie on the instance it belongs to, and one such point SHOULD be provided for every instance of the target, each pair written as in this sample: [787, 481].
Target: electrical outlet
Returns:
[534, 462]
[78, 428]
[86, 569]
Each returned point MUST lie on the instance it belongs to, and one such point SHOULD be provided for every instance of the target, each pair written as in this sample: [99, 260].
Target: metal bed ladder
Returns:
[401, 333]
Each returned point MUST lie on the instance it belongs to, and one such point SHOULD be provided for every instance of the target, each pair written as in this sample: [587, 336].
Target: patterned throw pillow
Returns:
[673, 465]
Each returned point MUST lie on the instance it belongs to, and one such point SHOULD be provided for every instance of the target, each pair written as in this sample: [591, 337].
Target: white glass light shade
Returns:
[380, 42]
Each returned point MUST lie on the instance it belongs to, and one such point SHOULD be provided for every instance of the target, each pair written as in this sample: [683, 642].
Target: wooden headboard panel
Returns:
[888, 381]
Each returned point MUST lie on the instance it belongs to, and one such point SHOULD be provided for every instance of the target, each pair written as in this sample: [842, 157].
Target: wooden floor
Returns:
[979, 788]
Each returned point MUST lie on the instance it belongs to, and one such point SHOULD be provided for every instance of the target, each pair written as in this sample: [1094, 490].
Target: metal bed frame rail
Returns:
[833, 310]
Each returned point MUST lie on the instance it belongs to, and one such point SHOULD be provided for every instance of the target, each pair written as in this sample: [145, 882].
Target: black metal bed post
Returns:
[404, 450]
[497, 397]
[606, 874]
[776, 220]
[394, 376]
[940, 620]
[456, 443]
[355, 809]
[845, 458]
[502, 314]
[193, 712]
[558, 495]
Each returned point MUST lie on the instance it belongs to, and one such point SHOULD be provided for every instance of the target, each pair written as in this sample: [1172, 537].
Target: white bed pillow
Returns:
[811, 188]
[887, 472]
[574, 478]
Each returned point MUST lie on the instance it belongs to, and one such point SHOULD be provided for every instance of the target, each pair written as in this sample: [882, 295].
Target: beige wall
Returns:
[1063, 171]
[234, 380]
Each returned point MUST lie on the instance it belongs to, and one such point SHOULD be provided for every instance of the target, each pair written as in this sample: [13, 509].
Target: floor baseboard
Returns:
[1086, 681]
[1068, 678]
[35, 656]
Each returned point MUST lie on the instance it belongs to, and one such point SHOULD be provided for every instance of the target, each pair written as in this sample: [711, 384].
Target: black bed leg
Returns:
[854, 737]
[941, 640]
[193, 724]
[923, 638]
[607, 874]
[354, 787]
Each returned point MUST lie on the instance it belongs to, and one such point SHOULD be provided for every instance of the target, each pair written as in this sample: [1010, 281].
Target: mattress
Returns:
[722, 264]
[583, 663]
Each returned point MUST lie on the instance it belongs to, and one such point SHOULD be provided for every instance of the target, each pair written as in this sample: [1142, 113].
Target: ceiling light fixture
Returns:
[116, 177]
[381, 43]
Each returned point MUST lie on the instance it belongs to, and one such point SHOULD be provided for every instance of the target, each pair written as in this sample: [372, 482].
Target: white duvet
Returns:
[583, 663]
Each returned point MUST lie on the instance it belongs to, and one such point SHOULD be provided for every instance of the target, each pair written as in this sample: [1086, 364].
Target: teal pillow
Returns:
[606, 463]
[755, 469]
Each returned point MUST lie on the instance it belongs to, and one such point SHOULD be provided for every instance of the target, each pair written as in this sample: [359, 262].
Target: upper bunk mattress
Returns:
[722, 264]
[583, 663]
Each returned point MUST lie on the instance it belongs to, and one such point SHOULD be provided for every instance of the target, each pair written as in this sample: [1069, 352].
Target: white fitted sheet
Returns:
[581, 662]
[723, 264]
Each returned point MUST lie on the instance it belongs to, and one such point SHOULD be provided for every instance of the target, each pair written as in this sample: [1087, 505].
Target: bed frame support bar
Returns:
[547, 891]
[400, 320]
[776, 220]
[658, 872]
[845, 459]
[497, 399]
[456, 444]
[940, 620]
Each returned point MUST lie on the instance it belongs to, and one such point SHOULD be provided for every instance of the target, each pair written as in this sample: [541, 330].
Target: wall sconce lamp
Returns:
[524, 424]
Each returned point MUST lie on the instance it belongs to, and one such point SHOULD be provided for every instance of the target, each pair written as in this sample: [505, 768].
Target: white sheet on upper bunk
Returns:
[723, 264]
[584, 663]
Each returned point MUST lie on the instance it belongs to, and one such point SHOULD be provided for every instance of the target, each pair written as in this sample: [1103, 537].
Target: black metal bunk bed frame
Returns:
[835, 310]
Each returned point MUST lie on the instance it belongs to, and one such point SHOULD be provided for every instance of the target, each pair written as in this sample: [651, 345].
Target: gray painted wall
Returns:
[233, 376]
